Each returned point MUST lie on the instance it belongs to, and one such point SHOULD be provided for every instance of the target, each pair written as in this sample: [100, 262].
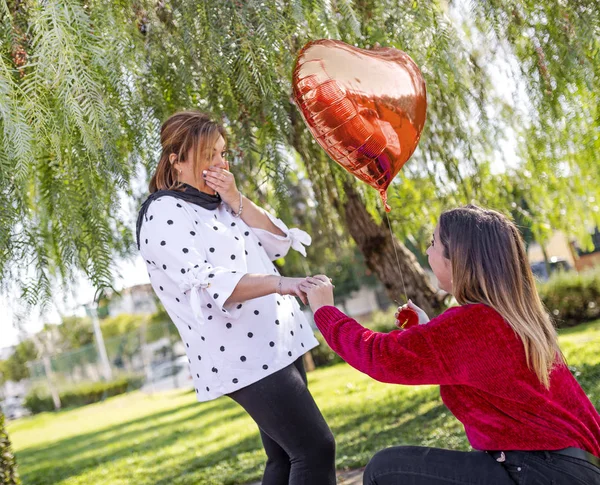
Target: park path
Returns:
[352, 477]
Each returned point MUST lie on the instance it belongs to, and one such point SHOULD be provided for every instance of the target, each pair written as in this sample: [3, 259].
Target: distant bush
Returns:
[37, 402]
[572, 298]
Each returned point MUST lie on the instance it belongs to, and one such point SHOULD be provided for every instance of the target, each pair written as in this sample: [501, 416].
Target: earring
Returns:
[179, 171]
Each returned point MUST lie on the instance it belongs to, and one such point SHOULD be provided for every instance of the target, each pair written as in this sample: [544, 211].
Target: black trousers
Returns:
[414, 465]
[299, 445]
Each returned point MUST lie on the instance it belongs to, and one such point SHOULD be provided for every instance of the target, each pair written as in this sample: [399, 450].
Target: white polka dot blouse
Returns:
[195, 258]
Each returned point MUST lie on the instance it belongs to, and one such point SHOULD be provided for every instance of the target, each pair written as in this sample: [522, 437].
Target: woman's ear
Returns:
[172, 158]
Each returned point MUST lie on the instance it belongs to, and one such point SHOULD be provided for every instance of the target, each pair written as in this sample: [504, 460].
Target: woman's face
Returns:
[440, 265]
[187, 168]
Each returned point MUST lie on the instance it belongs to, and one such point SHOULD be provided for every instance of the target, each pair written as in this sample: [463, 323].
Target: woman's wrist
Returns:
[277, 284]
[233, 200]
[240, 206]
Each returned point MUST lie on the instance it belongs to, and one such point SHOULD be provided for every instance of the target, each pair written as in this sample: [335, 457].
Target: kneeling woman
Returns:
[495, 357]
[209, 254]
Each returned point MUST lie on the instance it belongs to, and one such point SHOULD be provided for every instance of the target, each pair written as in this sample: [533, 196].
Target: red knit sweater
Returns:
[479, 363]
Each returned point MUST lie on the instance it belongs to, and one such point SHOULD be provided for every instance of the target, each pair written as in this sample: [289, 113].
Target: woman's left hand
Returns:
[319, 291]
[223, 182]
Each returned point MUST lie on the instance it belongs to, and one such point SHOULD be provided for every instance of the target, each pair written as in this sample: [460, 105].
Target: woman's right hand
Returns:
[291, 286]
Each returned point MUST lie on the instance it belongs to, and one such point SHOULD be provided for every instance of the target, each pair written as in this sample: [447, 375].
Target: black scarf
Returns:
[190, 194]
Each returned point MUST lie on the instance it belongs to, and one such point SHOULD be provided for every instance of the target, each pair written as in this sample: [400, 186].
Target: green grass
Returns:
[169, 438]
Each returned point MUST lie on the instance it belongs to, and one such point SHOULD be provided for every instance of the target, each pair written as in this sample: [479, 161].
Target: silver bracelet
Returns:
[239, 212]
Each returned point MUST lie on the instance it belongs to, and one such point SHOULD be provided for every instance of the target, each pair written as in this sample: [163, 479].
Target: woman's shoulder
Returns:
[463, 326]
[162, 201]
[165, 211]
[473, 313]
[171, 205]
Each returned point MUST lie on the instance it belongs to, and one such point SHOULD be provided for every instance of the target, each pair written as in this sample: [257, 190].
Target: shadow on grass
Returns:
[394, 422]
[62, 459]
[361, 427]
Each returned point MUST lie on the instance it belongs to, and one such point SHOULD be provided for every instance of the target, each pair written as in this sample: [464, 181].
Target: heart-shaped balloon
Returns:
[366, 108]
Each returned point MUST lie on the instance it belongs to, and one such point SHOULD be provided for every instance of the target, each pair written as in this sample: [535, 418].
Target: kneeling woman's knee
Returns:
[387, 459]
[381, 459]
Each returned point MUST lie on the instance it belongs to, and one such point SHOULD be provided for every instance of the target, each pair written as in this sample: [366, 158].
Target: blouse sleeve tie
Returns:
[194, 281]
[299, 239]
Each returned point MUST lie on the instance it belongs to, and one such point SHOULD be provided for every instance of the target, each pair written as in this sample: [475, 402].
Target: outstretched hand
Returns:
[319, 291]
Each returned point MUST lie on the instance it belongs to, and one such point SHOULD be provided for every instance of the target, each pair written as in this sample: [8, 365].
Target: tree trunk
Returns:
[8, 464]
[377, 246]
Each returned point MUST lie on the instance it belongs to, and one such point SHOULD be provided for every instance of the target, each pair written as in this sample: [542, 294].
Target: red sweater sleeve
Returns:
[398, 357]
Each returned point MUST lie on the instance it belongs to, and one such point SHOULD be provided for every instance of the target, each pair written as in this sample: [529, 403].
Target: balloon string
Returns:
[397, 258]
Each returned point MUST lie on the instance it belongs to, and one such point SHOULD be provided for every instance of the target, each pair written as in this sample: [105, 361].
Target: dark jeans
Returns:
[299, 445]
[414, 465]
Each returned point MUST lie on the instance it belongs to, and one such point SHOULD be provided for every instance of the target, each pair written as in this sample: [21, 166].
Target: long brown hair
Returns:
[490, 266]
[182, 132]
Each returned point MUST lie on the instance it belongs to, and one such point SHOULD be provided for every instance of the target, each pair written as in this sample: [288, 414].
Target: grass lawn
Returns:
[171, 439]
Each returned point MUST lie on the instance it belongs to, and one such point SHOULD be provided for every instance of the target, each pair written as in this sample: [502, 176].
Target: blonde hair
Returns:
[490, 266]
[180, 133]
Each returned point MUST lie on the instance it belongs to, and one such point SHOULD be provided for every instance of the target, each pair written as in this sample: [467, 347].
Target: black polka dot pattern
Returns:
[251, 333]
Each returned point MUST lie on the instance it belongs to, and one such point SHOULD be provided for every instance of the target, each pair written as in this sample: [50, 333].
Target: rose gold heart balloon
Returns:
[366, 108]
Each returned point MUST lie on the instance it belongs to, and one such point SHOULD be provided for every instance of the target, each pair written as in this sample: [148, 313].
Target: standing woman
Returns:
[209, 252]
[495, 357]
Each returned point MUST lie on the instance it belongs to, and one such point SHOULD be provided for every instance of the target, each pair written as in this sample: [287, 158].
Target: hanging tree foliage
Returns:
[85, 86]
